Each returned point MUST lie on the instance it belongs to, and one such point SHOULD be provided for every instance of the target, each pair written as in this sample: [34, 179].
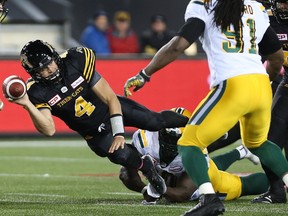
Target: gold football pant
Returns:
[227, 185]
[244, 98]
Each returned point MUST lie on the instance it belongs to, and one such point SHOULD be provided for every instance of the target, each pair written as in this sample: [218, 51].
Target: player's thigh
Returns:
[255, 124]
[217, 113]
[101, 143]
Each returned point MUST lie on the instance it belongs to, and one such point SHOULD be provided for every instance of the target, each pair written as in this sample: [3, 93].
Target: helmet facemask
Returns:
[36, 56]
[279, 9]
[168, 145]
[168, 138]
[53, 78]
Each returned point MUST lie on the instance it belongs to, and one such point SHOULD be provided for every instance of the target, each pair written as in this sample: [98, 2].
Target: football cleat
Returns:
[209, 205]
[153, 176]
[270, 198]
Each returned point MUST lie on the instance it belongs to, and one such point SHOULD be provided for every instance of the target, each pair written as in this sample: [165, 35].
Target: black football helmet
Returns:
[266, 3]
[279, 9]
[3, 10]
[38, 54]
[168, 138]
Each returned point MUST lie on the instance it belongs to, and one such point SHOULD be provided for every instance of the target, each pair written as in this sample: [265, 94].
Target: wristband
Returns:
[144, 75]
[117, 125]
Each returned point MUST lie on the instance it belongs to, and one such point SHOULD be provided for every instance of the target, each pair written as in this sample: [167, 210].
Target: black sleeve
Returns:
[192, 29]
[95, 78]
[37, 95]
[269, 43]
[84, 59]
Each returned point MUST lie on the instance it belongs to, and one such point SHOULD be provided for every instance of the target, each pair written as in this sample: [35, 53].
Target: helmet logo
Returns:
[79, 49]
[24, 60]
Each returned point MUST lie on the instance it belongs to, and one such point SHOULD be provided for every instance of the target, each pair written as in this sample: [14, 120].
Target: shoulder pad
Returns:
[29, 83]
[86, 60]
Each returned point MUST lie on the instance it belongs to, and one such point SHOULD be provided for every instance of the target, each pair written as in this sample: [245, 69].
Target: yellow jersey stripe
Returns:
[29, 84]
[143, 139]
[42, 105]
[93, 59]
[87, 56]
[89, 64]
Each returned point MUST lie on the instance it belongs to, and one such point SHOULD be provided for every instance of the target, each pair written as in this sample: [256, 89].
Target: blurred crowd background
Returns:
[66, 23]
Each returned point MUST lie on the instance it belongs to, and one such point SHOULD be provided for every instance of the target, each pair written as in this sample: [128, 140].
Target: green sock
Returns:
[224, 161]
[195, 164]
[254, 184]
[271, 156]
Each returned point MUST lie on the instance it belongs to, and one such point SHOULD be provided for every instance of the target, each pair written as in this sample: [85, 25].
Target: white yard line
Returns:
[36, 158]
[45, 143]
[123, 193]
[39, 195]
[45, 175]
[42, 143]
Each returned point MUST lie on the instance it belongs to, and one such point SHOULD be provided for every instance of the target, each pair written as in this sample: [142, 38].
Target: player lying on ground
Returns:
[70, 88]
[162, 147]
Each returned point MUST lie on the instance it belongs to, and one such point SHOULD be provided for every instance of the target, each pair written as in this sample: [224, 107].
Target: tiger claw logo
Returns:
[79, 49]
[101, 127]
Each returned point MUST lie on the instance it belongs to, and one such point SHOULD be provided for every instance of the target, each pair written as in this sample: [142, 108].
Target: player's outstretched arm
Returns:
[163, 57]
[187, 35]
[42, 119]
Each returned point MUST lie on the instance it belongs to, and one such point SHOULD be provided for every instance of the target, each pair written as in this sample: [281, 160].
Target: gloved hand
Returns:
[137, 81]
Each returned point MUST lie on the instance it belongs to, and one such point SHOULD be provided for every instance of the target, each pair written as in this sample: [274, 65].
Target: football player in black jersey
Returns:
[279, 119]
[3, 14]
[69, 88]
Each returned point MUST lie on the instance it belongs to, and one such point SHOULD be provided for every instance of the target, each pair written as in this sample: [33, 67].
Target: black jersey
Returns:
[72, 99]
[282, 33]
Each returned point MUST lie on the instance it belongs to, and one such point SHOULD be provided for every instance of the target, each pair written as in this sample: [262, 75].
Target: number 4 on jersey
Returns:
[83, 107]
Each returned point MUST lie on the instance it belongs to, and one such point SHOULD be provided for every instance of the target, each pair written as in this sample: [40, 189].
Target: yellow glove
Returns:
[137, 82]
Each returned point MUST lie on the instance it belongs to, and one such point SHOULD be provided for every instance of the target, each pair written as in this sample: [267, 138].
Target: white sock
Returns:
[206, 188]
[242, 151]
[285, 179]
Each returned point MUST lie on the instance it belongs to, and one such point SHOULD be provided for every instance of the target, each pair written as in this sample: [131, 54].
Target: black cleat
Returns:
[209, 205]
[271, 198]
[153, 176]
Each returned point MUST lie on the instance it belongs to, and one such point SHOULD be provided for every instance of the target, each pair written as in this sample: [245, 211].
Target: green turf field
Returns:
[64, 177]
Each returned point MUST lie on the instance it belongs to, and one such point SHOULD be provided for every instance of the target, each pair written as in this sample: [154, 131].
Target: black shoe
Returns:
[152, 175]
[270, 198]
[209, 205]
